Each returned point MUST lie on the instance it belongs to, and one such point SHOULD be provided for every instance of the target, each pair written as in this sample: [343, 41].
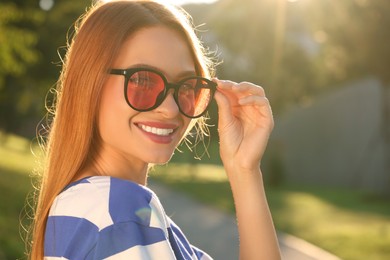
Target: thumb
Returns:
[224, 109]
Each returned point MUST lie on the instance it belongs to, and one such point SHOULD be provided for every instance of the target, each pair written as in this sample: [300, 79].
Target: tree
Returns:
[30, 40]
[257, 42]
[17, 53]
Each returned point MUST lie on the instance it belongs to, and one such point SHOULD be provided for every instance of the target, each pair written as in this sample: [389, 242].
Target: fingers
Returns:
[249, 88]
[224, 107]
[253, 100]
[236, 99]
[243, 87]
[244, 101]
[243, 93]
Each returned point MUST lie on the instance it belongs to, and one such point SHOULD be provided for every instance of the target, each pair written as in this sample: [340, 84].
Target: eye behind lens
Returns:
[194, 101]
[144, 90]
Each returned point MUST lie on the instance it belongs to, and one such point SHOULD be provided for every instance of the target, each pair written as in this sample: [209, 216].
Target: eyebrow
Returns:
[181, 75]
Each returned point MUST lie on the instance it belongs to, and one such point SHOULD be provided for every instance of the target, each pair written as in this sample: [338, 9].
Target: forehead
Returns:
[159, 47]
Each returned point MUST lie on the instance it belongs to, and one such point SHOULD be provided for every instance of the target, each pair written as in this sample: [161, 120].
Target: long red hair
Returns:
[73, 139]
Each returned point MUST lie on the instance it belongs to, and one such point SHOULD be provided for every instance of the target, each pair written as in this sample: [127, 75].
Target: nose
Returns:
[168, 107]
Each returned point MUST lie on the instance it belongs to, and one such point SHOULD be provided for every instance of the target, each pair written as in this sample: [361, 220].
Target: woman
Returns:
[134, 82]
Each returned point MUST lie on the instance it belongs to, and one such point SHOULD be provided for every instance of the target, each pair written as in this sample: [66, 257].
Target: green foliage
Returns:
[355, 39]
[258, 42]
[17, 42]
[359, 30]
[29, 41]
[297, 50]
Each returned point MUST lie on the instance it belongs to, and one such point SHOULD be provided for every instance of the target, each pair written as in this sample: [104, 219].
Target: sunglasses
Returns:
[145, 89]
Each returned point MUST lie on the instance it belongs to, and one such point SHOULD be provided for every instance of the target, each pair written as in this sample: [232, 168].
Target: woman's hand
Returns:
[245, 124]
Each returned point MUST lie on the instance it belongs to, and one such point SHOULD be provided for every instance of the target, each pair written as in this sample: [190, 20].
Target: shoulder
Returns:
[105, 216]
[104, 200]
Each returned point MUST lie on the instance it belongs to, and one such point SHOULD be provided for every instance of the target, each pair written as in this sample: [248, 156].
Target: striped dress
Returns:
[102, 217]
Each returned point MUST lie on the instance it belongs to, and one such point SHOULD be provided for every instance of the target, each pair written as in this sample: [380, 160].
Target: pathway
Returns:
[215, 232]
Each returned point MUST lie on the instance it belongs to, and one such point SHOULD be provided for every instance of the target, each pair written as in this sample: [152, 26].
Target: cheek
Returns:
[113, 112]
[108, 104]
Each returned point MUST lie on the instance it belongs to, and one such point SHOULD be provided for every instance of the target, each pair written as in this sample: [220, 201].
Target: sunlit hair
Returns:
[73, 139]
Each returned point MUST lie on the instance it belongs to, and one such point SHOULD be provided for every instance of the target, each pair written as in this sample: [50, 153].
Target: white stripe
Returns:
[92, 202]
[158, 217]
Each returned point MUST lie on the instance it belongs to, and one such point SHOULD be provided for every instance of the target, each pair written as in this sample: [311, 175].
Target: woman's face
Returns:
[133, 137]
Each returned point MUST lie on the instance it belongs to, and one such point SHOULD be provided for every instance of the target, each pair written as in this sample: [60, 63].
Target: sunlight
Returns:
[175, 2]
[46, 5]
[280, 25]
[183, 2]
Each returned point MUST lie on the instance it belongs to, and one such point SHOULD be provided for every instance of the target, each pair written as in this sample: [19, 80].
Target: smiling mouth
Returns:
[156, 130]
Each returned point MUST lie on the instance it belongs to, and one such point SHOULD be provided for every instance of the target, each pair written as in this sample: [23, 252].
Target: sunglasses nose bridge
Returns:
[173, 86]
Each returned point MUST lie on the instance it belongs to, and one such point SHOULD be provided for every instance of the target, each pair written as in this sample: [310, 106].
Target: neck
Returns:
[119, 166]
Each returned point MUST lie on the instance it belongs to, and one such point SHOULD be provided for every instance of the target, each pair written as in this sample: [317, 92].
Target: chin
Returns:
[160, 159]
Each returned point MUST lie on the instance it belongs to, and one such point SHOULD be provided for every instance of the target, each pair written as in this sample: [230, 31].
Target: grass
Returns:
[350, 224]
[16, 162]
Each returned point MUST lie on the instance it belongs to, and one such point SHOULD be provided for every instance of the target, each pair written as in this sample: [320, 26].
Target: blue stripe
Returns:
[179, 244]
[75, 238]
[70, 237]
[175, 246]
[180, 237]
[129, 202]
[199, 253]
[122, 236]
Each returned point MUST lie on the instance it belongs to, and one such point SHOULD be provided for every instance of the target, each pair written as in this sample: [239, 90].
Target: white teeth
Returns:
[156, 131]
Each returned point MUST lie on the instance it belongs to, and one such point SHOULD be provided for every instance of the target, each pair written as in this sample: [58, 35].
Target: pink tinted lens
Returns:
[194, 97]
[143, 89]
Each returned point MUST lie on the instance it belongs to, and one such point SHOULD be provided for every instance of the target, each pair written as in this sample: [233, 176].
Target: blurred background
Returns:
[325, 66]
